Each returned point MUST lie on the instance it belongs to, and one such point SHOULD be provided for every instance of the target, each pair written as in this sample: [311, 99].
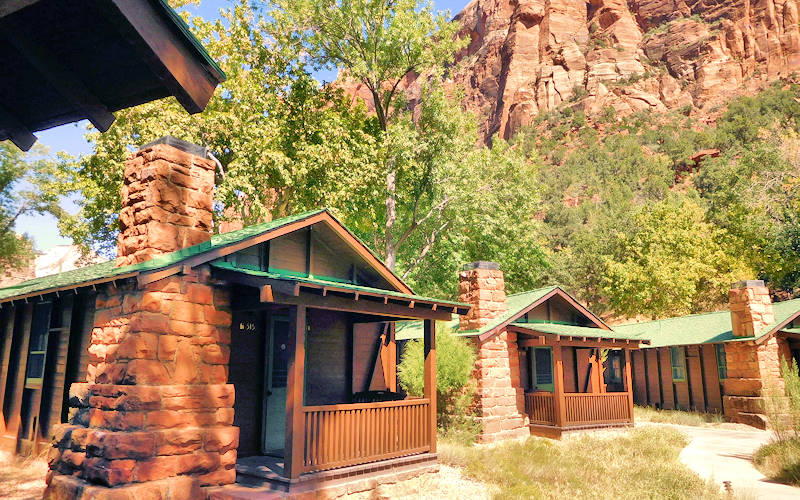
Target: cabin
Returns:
[264, 356]
[546, 364]
[720, 362]
[70, 61]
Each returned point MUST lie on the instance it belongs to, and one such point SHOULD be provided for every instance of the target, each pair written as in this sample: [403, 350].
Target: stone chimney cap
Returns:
[482, 264]
[185, 146]
[747, 284]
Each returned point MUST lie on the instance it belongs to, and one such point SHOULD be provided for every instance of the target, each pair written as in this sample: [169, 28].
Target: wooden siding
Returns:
[712, 382]
[702, 377]
[289, 252]
[56, 367]
[327, 348]
[639, 378]
[326, 262]
[666, 378]
[6, 336]
[570, 372]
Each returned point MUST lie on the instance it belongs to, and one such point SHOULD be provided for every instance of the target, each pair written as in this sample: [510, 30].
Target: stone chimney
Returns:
[481, 285]
[751, 307]
[167, 200]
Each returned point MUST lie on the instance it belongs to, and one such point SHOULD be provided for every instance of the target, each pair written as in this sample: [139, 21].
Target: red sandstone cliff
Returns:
[526, 56]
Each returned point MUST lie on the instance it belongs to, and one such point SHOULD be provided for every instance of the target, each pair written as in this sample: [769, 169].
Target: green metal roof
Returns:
[706, 328]
[575, 331]
[108, 271]
[515, 304]
[333, 284]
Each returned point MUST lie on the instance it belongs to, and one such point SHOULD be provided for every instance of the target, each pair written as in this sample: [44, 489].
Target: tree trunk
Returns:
[391, 217]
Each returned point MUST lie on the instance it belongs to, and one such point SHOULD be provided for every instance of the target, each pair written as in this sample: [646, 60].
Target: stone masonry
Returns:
[154, 419]
[500, 399]
[167, 200]
[753, 369]
[751, 307]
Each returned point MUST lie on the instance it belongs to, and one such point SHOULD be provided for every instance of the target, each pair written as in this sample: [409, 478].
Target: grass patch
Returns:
[642, 463]
[677, 417]
[780, 461]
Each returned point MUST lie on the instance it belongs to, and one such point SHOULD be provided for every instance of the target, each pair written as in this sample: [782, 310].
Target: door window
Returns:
[541, 369]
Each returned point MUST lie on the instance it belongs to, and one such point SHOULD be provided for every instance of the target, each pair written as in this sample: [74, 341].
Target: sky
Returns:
[43, 229]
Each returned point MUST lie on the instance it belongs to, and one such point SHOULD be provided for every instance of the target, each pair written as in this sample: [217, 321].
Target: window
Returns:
[722, 362]
[615, 367]
[678, 364]
[541, 369]
[37, 348]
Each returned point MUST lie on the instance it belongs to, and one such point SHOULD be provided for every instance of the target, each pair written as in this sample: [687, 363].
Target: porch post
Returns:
[430, 377]
[295, 419]
[629, 383]
[558, 387]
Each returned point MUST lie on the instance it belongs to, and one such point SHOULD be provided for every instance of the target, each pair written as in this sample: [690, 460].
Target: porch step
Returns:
[757, 420]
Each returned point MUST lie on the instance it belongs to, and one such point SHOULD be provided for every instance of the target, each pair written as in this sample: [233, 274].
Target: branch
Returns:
[416, 223]
[426, 248]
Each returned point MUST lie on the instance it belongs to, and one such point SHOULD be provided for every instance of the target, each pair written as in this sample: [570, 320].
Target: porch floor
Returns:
[266, 474]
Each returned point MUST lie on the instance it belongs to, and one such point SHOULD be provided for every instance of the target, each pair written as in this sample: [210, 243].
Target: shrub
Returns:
[455, 391]
[780, 460]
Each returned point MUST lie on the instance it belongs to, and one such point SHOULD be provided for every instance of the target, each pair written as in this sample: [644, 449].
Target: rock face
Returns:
[527, 56]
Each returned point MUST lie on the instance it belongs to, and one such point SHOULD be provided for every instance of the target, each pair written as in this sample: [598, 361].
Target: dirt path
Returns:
[725, 454]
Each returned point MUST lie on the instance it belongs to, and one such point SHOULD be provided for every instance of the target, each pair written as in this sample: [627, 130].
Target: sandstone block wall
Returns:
[167, 201]
[500, 398]
[751, 309]
[485, 290]
[753, 372]
[157, 404]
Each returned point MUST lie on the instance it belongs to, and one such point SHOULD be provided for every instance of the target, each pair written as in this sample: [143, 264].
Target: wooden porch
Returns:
[588, 383]
[330, 352]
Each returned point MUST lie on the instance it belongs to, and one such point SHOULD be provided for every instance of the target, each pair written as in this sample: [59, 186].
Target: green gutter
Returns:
[187, 34]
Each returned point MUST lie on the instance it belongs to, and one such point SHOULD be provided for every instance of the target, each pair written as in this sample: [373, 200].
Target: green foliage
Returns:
[670, 263]
[455, 359]
[20, 178]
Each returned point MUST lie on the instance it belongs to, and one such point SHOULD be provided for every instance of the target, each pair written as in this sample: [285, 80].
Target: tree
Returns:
[18, 196]
[672, 263]
[380, 43]
[285, 143]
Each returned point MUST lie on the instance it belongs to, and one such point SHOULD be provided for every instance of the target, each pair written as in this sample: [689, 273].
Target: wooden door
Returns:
[246, 369]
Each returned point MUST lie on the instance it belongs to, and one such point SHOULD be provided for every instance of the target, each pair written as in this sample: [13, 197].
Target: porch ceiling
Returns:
[575, 333]
[277, 287]
[68, 61]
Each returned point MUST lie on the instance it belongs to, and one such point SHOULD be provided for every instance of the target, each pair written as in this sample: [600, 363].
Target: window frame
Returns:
[534, 384]
[615, 355]
[43, 338]
[681, 365]
[722, 362]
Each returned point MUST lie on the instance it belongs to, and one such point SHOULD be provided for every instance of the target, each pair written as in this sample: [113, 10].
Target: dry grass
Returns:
[21, 478]
[642, 463]
[677, 417]
[780, 461]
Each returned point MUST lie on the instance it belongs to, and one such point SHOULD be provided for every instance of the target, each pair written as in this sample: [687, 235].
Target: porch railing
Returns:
[579, 408]
[589, 409]
[351, 434]
[540, 407]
